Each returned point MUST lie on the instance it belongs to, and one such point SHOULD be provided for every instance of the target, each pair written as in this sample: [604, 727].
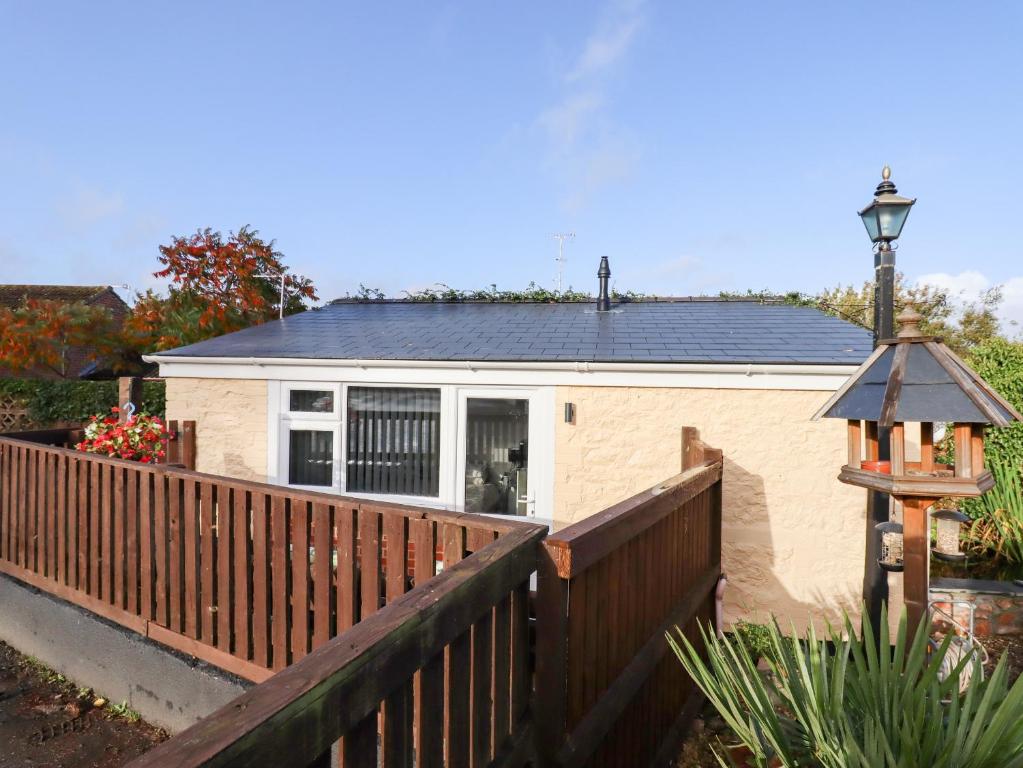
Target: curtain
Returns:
[394, 441]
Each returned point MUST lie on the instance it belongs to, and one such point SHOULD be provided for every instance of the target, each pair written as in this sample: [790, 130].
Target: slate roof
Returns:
[694, 331]
[13, 296]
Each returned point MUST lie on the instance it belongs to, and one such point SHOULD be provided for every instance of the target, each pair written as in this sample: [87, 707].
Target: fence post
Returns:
[186, 449]
[550, 707]
[129, 390]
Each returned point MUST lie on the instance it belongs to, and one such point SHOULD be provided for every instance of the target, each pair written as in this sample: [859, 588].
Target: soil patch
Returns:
[48, 722]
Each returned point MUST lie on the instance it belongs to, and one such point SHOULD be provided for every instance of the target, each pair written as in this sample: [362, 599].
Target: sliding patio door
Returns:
[496, 443]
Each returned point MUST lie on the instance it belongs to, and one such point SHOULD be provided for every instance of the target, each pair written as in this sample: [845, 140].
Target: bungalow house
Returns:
[553, 411]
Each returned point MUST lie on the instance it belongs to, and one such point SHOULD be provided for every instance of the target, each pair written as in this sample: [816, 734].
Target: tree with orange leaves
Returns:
[217, 285]
[40, 334]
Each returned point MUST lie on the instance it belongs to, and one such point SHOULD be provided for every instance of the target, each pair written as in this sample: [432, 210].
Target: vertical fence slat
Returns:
[192, 577]
[430, 714]
[224, 572]
[146, 534]
[322, 571]
[396, 533]
[61, 555]
[242, 574]
[360, 744]
[457, 713]
[118, 515]
[131, 539]
[281, 629]
[299, 579]
[175, 572]
[95, 554]
[261, 555]
[207, 555]
[347, 596]
[369, 562]
[160, 535]
[397, 728]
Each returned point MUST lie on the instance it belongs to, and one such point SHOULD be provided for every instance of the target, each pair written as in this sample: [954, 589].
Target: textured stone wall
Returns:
[997, 607]
[792, 534]
[230, 422]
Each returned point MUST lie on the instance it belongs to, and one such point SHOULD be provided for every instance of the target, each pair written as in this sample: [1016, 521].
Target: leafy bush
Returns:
[850, 701]
[998, 514]
[52, 402]
[756, 637]
[1000, 364]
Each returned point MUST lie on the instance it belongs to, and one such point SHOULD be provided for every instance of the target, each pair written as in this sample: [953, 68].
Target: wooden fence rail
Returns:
[402, 631]
[608, 691]
[452, 654]
[248, 576]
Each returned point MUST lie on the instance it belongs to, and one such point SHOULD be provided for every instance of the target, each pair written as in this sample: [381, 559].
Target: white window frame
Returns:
[453, 397]
[314, 425]
[310, 386]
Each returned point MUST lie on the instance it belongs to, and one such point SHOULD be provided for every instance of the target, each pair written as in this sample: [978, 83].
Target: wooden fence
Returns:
[608, 690]
[248, 576]
[431, 661]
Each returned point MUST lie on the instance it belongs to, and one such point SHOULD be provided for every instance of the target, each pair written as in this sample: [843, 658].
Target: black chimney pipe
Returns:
[603, 299]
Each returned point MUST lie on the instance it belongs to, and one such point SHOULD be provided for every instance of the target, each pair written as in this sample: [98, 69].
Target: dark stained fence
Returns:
[439, 676]
[248, 576]
[608, 690]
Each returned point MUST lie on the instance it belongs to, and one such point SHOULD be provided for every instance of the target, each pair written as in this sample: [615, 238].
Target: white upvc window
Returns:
[481, 449]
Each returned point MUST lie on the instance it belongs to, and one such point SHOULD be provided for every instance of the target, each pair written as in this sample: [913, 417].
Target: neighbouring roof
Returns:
[680, 330]
[13, 296]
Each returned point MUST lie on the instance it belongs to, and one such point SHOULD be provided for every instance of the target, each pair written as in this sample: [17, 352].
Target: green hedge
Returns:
[50, 402]
[1000, 363]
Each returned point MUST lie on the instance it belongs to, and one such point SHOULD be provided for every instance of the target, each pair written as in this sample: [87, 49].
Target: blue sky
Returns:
[702, 146]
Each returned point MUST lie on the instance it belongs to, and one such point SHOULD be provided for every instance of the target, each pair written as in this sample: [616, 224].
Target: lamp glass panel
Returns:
[869, 217]
[891, 219]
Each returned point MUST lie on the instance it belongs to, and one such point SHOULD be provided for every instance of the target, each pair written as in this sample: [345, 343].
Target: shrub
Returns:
[140, 438]
[998, 514]
[62, 401]
[850, 701]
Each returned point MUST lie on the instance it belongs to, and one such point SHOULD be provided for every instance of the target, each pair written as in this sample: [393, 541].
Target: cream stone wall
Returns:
[793, 536]
[230, 421]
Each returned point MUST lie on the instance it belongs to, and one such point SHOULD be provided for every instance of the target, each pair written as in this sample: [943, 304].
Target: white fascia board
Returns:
[824, 378]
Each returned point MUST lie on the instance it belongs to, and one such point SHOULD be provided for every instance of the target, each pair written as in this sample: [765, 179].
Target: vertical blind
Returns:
[311, 457]
[393, 441]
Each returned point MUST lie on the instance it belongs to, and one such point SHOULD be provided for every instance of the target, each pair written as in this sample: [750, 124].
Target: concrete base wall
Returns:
[168, 689]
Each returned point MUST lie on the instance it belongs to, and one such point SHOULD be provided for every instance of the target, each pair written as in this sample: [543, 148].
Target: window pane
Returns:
[311, 457]
[394, 441]
[311, 401]
[496, 454]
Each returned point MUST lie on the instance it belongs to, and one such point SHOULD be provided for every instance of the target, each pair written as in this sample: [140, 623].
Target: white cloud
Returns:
[587, 151]
[564, 122]
[969, 284]
[606, 46]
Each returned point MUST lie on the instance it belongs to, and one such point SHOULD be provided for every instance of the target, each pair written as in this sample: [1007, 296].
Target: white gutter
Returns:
[748, 369]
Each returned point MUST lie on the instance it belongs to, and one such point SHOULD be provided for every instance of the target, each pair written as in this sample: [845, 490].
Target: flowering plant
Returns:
[140, 438]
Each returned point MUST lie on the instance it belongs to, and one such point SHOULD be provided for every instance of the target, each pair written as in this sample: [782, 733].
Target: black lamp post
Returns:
[884, 219]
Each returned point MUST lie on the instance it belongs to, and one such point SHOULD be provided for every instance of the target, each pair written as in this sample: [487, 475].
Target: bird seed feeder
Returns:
[891, 546]
[916, 378]
[946, 541]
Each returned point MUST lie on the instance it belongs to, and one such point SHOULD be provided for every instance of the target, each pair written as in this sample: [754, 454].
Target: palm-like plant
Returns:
[853, 701]
[998, 514]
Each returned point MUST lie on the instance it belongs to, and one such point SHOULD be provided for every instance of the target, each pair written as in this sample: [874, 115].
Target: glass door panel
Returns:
[497, 455]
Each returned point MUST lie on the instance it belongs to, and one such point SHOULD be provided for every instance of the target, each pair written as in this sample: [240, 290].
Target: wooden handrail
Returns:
[577, 547]
[295, 717]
